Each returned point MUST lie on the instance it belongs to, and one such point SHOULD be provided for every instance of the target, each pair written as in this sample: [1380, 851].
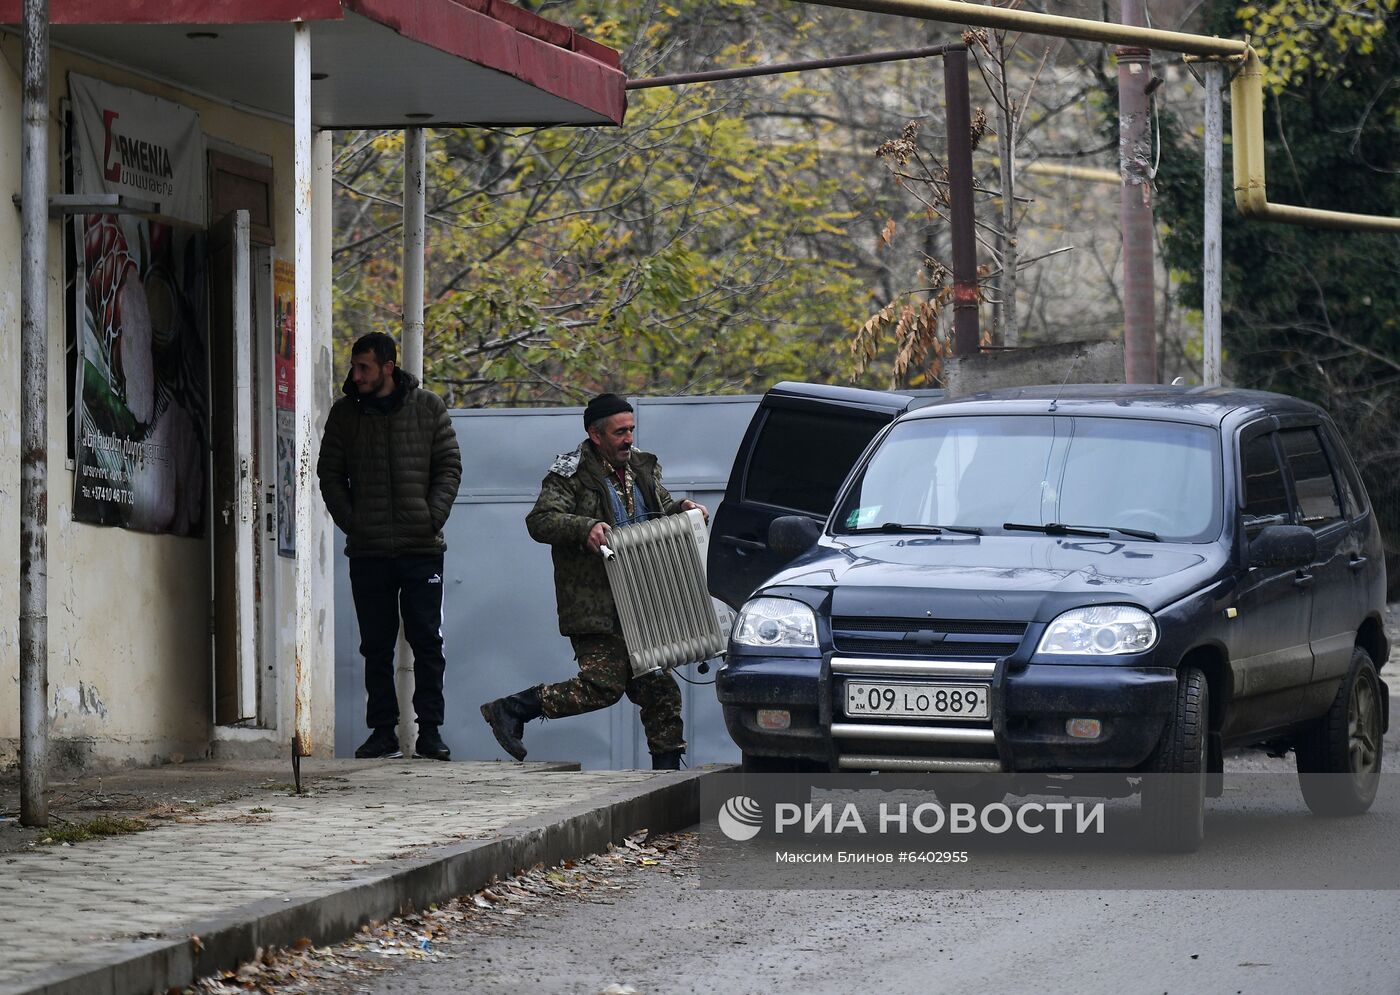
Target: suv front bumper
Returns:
[1031, 706]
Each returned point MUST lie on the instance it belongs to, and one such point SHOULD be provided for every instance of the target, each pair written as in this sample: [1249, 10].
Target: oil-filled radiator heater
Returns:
[657, 572]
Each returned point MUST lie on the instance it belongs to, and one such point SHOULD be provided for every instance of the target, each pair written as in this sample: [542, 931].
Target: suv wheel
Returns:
[1174, 788]
[1339, 756]
[794, 788]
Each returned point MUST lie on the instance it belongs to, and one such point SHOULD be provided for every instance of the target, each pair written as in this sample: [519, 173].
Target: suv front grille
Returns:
[958, 639]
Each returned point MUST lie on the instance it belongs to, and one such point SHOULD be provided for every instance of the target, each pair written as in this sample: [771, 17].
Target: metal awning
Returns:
[375, 63]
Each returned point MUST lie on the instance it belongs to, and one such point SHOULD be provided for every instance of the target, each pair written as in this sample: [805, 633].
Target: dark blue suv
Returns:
[1086, 578]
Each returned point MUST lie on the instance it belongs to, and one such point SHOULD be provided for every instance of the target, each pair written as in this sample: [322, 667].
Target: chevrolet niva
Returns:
[1060, 579]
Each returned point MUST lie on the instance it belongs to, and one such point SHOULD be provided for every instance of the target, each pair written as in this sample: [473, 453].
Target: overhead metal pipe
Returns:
[1088, 174]
[779, 68]
[1251, 186]
[978, 15]
[962, 220]
[34, 422]
[1247, 91]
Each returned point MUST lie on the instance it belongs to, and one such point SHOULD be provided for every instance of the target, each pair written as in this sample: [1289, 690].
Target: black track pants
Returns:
[383, 588]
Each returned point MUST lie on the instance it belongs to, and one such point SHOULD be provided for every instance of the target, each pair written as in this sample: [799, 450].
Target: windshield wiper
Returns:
[891, 528]
[1055, 529]
[1098, 532]
[1135, 533]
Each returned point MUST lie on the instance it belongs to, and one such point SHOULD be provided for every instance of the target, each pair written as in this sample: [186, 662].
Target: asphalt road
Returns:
[676, 932]
[1276, 901]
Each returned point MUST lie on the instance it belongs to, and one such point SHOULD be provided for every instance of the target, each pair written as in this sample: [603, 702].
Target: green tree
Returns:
[702, 247]
[1308, 312]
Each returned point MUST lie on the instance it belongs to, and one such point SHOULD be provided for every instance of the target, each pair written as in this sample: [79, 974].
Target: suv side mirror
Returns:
[792, 535]
[1283, 546]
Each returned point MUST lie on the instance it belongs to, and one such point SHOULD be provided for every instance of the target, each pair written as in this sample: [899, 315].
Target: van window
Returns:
[1265, 499]
[802, 457]
[1318, 501]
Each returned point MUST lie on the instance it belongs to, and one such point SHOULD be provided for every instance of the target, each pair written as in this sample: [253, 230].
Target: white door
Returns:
[235, 520]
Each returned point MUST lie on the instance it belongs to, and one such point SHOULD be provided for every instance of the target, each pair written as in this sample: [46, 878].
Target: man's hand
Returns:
[598, 537]
[688, 504]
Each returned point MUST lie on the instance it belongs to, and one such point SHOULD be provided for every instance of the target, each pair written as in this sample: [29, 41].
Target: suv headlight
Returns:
[1103, 630]
[766, 623]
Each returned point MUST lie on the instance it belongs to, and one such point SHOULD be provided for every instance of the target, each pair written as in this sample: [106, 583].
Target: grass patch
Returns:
[79, 832]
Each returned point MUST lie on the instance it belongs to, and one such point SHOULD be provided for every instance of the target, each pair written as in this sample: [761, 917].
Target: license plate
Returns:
[937, 701]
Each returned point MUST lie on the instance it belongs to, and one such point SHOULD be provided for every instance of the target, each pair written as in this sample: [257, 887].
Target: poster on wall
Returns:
[286, 483]
[142, 412]
[142, 408]
[131, 143]
[284, 287]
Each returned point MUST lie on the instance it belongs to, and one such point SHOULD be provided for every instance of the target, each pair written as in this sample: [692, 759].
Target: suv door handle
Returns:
[1303, 580]
[1356, 563]
[745, 544]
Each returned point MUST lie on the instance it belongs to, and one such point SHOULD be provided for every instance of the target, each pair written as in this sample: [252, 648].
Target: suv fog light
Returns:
[1084, 728]
[775, 719]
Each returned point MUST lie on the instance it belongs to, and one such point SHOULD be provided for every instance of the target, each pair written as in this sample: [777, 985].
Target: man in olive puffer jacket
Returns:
[389, 470]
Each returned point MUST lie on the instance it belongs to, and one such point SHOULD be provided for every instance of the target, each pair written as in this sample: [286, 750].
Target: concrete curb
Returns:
[333, 911]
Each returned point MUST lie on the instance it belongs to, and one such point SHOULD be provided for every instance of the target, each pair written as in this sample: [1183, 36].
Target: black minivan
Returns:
[1054, 579]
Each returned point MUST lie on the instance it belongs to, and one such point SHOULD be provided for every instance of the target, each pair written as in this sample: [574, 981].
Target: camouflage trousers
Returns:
[604, 675]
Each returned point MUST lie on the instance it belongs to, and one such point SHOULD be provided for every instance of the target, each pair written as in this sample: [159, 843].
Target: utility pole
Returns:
[961, 214]
[415, 157]
[1212, 262]
[1135, 166]
[34, 423]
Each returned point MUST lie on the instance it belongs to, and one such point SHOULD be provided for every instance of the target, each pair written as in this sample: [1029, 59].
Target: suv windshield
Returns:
[1084, 473]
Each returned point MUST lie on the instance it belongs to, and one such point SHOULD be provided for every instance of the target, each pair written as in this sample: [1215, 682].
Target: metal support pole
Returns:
[1135, 165]
[34, 423]
[303, 358]
[966, 338]
[1210, 306]
[779, 68]
[415, 154]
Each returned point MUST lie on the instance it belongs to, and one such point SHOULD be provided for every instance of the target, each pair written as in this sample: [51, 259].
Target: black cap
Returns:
[604, 406]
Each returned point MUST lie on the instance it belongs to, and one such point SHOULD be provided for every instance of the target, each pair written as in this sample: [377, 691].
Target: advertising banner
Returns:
[286, 483]
[143, 407]
[142, 146]
[143, 404]
[284, 285]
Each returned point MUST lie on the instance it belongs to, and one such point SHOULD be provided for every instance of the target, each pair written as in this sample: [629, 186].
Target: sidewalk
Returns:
[213, 879]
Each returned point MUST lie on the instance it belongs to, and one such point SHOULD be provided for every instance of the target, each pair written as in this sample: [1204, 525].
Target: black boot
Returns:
[666, 760]
[383, 744]
[429, 744]
[507, 718]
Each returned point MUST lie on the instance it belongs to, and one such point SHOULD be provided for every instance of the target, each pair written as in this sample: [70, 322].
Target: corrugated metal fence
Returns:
[500, 626]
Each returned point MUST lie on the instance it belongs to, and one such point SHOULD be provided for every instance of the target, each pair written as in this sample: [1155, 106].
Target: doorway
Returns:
[243, 509]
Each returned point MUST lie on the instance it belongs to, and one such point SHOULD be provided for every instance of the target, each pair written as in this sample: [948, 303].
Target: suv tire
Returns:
[1339, 756]
[796, 787]
[1174, 788]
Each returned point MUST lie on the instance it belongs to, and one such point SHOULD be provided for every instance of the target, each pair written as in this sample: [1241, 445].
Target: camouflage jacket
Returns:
[573, 497]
